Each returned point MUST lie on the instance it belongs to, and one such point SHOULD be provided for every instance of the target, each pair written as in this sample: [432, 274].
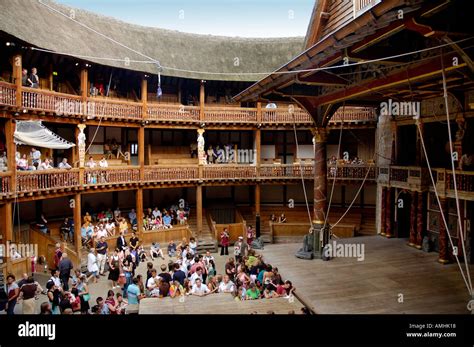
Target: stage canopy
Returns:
[34, 133]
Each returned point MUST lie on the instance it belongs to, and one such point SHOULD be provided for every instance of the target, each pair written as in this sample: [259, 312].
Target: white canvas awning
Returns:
[33, 133]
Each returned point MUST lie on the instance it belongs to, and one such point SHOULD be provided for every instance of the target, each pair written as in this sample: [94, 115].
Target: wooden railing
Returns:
[42, 180]
[230, 114]
[229, 171]
[352, 172]
[48, 101]
[464, 181]
[67, 104]
[159, 173]
[4, 183]
[170, 112]
[114, 108]
[353, 114]
[285, 115]
[399, 173]
[7, 94]
[119, 175]
[286, 171]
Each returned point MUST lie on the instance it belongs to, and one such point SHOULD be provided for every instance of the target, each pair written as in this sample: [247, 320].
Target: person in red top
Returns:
[58, 253]
[250, 235]
[225, 242]
[285, 289]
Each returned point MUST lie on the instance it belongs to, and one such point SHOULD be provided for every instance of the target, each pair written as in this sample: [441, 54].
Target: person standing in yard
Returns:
[101, 249]
[13, 291]
[92, 266]
[65, 267]
[224, 242]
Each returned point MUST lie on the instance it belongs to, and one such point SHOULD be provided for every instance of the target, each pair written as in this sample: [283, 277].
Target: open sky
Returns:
[246, 18]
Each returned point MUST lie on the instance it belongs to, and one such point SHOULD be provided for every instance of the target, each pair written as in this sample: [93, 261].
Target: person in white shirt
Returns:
[156, 251]
[91, 164]
[226, 286]
[55, 278]
[102, 232]
[64, 165]
[196, 276]
[200, 289]
[156, 212]
[208, 257]
[103, 163]
[46, 165]
[14, 254]
[22, 163]
[110, 228]
[92, 266]
[151, 283]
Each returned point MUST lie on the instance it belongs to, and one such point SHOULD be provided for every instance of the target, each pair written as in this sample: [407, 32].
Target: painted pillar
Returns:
[321, 236]
[199, 210]
[139, 211]
[413, 219]
[17, 64]
[443, 240]
[420, 219]
[383, 211]
[388, 213]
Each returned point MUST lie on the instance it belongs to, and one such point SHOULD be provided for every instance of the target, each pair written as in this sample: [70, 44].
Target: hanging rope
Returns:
[445, 96]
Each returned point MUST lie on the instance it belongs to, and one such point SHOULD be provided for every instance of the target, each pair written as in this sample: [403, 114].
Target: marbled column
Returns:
[388, 213]
[443, 234]
[384, 211]
[420, 220]
[413, 216]
[320, 175]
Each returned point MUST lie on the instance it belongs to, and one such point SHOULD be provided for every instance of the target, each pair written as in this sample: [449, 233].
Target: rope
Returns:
[469, 289]
[445, 95]
[326, 217]
[301, 171]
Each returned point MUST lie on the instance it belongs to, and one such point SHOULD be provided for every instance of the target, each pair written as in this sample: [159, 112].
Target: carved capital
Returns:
[319, 135]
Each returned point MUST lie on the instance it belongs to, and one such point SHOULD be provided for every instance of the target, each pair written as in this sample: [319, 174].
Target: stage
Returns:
[393, 278]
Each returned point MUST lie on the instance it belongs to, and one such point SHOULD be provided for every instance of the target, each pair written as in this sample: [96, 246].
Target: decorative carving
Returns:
[81, 144]
[201, 144]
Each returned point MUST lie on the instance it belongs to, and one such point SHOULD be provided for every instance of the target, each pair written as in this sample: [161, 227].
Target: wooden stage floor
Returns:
[390, 268]
[217, 304]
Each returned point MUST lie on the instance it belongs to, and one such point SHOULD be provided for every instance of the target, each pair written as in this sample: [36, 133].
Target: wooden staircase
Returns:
[206, 242]
[248, 213]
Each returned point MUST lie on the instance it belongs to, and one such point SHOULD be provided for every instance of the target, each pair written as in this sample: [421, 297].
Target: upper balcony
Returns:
[50, 103]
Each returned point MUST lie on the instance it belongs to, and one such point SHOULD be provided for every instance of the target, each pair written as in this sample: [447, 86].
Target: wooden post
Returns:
[77, 225]
[6, 226]
[199, 210]
[144, 94]
[84, 84]
[51, 77]
[257, 210]
[258, 152]
[139, 209]
[259, 112]
[141, 151]
[320, 179]
[17, 68]
[11, 152]
[202, 100]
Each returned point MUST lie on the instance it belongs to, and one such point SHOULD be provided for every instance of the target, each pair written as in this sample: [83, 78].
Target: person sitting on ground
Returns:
[156, 251]
[141, 254]
[64, 165]
[171, 249]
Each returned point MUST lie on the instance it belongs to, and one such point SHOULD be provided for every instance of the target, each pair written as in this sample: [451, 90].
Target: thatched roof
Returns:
[34, 23]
